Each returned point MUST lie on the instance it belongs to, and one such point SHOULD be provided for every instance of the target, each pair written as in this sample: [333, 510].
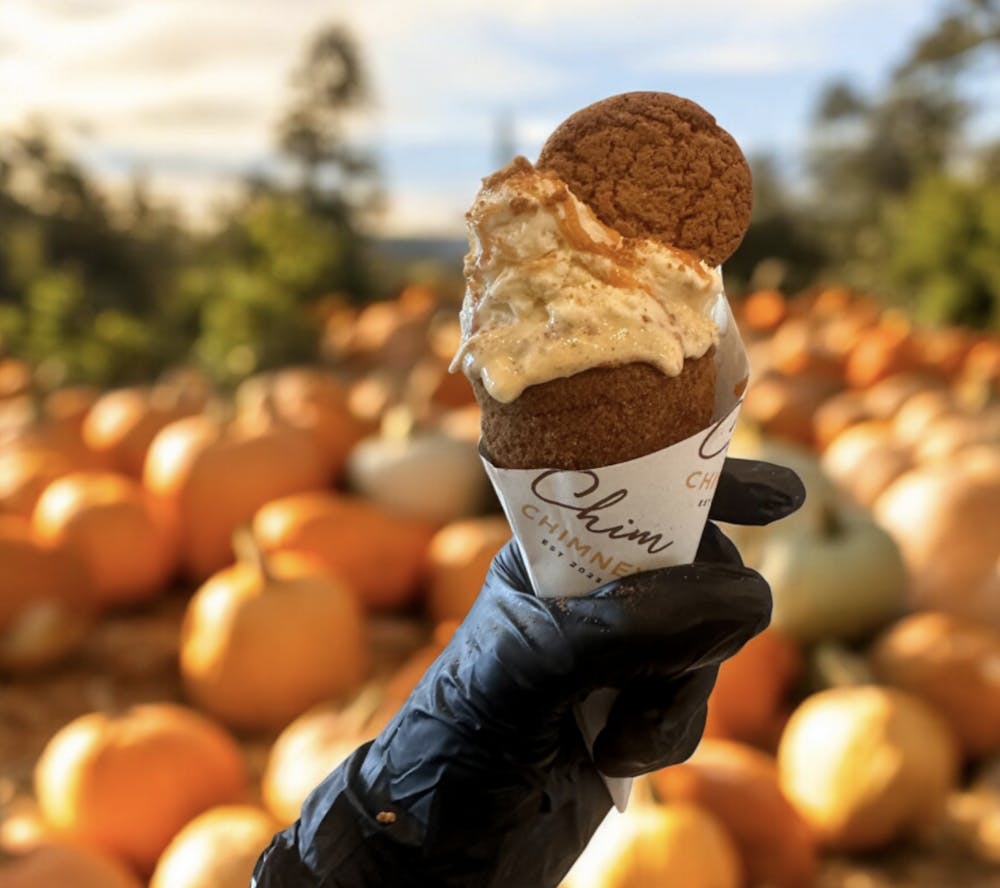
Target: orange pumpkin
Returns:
[267, 638]
[376, 554]
[836, 414]
[798, 349]
[15, 378]
[944, 350]
[749, 692]
[309, 748]
[123, 423]
[126, 784]
[310, 400]
[982, 362]
[944, 518]
[70, 405]
[784, 405]
[369, 397]
[44, 599]
[864, 460]
[886, 397]
[50, 436]
[919, 412]
[954, 665]
[458, 558]
[835, 302]
[431, 386]
[24, 474]
[763, 311]
[392, 334]
[122, 535]
[218, 849]
[65, 865]
[880, 352]
[32, 570]
[739, 785]
[215, 478]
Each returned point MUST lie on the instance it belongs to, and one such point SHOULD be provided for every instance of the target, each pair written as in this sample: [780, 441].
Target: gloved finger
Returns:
[755, 492]
[660, 623]
[716, 546]
[654, 723]
[508, 566]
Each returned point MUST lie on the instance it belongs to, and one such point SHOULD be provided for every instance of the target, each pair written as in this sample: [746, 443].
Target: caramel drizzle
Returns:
[620, 252]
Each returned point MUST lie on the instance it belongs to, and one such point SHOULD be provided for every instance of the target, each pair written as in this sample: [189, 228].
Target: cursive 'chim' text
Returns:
[589, 512]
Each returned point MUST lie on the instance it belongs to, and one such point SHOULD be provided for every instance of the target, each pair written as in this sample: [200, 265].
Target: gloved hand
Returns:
[482, 778]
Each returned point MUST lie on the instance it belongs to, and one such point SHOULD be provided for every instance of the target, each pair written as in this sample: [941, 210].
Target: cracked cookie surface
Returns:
[652, 164]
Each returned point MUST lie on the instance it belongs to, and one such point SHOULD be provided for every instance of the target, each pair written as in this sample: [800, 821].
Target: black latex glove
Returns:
[482, 778]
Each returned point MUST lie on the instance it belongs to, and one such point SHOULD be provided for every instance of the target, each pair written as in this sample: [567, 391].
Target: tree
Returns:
[335, 177]
[952, 43]
[878, 160]
[337, 182]
[780, 248]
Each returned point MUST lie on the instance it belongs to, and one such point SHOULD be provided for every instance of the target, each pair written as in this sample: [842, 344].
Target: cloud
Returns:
[184, 85]
[730, 58]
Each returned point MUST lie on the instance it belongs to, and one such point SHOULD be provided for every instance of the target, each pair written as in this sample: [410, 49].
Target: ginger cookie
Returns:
[652, 164]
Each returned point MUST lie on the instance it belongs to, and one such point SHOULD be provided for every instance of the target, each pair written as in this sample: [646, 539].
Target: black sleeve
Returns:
[338, 843]
[335, 843]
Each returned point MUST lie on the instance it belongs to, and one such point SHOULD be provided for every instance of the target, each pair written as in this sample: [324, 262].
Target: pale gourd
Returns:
[842, 579]
[422, 474]
[652, 846]
[867, 766]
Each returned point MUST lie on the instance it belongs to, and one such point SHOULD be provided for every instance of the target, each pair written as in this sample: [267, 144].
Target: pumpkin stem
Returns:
[398, 423]
[248, 551]
[837, 667]
[831, 525]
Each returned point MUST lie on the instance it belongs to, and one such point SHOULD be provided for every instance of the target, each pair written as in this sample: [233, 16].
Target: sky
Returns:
[187, 92]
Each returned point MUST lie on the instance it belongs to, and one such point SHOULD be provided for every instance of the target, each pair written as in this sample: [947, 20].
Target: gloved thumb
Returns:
[660, 624]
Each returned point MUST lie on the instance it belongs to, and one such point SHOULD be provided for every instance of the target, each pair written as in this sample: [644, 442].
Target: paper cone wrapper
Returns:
[579, 529]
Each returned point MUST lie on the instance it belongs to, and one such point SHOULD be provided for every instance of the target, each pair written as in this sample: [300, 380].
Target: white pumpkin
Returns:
[839, 579]
[420, 474]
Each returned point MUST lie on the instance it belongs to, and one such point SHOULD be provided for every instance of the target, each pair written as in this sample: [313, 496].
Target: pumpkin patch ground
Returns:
[854, 744]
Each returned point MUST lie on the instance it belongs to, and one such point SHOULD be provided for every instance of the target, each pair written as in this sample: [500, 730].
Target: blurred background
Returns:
[231, 241]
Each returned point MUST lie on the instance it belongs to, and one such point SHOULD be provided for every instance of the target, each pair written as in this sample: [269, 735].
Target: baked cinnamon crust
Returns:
[598, 417]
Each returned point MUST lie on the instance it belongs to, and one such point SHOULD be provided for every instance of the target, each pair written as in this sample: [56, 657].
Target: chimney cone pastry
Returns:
[591, 277]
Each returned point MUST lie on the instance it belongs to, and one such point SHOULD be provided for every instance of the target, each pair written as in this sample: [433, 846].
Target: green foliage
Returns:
[893, 213]
[248, 323]
[781, 248]
[56, 327]
[111, 294]
[944, 251]
[293, 247]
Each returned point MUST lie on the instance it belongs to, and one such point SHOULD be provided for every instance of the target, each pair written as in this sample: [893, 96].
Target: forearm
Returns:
[335, 843]
[361, 828]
